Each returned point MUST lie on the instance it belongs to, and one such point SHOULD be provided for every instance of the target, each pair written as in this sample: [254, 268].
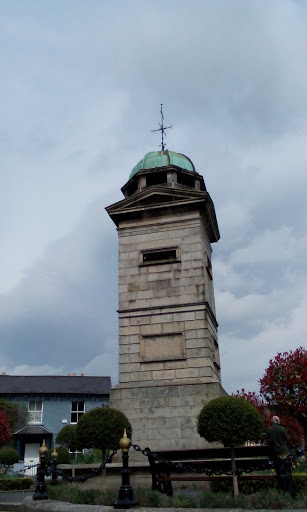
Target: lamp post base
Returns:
[125, 498]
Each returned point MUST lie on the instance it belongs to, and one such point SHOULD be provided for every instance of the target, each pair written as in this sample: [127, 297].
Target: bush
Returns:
[268, 499]
[15, 484]
[258, 486]
[148, 498]
[217, 500]
[182, 501]
[300, 466]
[300, 483]
[8, 455]
[64, 457]
[67, 437]
[64, 492]
[230, 420]
[89, 457]
[102, 428]
[245, 486]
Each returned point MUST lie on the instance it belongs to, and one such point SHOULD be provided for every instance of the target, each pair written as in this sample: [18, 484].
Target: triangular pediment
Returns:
[155, 196]
[156, 199]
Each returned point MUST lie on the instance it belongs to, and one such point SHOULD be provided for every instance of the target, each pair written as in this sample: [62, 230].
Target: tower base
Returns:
[164, 416]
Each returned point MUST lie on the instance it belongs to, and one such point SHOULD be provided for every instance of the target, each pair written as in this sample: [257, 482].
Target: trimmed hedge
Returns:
[253, 486]
[265, 500]
[15, 484]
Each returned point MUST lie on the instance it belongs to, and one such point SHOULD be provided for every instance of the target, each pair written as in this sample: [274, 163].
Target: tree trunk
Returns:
[104, 471]
[73, 467]
[233, 469]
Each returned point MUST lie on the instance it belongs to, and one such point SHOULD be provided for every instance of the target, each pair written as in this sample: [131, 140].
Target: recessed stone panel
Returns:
[164, 347]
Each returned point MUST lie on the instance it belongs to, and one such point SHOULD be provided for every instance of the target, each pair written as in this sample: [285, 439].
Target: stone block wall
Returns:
[164, 416]
[167, 328]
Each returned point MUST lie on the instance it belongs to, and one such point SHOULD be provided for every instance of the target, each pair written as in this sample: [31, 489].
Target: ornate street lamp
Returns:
[41, 490]
[125, 495]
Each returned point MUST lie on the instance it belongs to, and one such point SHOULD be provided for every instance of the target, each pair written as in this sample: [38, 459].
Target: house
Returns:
[51, 402]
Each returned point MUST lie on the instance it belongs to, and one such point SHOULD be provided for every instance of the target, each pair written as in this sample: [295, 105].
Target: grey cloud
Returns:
[63, 306]
[78, 102]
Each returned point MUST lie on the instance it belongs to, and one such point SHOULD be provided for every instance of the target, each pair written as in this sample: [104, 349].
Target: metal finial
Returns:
[162, 129]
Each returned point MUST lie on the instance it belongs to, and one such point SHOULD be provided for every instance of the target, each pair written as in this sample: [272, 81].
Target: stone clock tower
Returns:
[169, 364]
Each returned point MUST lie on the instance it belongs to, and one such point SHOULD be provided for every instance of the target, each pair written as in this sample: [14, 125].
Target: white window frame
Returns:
[35, 414]
[77, 411]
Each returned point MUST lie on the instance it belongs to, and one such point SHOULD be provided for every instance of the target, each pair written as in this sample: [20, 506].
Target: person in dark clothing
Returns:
[279, 441]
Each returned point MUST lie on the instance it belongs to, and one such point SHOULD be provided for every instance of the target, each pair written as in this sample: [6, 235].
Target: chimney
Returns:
[68, 374]
[3, 373]
[74, 374]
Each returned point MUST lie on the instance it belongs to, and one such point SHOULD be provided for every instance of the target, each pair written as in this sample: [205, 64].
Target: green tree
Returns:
[284, 385]
[64, 457]
[232, 421]
[8, 455]
[102, 428]
[67, 438]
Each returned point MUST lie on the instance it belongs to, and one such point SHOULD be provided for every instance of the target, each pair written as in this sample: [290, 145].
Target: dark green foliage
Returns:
[109, 497]
[245, 486]
[8, 455]
[64, 457]
[64, 492]
[67, 437]
[15, 484]
[300, 466]
[182, 501]
[89, 457]
[11, 411]
[300, 483]
[257, 486]
[269, 499]
[148, 498]
[102, 428]
[230, 420]
[217, 500]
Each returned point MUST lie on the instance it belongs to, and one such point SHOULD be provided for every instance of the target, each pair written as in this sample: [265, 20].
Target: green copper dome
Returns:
[156, 159]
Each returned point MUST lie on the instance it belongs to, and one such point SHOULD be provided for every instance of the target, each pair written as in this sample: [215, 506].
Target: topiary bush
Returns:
[230, 420]
[102, 428]
[8, 455]
[67, 437]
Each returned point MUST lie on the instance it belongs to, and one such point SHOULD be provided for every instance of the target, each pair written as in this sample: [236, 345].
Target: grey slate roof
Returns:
[57, 384]
[33, 430]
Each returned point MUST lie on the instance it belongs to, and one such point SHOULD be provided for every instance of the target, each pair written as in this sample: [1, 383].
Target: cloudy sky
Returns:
[81, 87]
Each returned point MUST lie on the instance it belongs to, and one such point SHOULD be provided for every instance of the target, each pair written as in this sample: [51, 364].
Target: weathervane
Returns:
[162, 129]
